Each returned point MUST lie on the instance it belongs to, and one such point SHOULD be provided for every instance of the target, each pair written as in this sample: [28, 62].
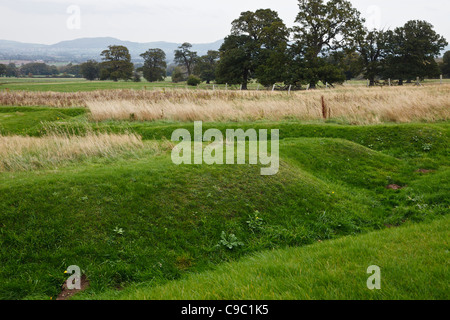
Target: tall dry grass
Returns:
[355, 105]
[79, 99]
[351, 104]
[19, 153]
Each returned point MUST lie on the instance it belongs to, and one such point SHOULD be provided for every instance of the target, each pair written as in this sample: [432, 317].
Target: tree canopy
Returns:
[185, 57]
[445, 66]
[206, 66]
[90, 70]
[412, 50]
[256, 38]
[117, 64]
[322, 27]
[155, 65]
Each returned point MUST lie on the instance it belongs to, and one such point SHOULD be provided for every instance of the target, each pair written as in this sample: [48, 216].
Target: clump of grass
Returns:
[21, 153]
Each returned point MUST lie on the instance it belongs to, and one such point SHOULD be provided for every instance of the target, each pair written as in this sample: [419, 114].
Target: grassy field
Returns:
[78, 84]
[104, 194]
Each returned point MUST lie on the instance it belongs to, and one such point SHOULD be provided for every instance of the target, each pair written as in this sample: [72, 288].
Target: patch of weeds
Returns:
[119, 231]
[255, 222]
[426, 147]
[230, 241]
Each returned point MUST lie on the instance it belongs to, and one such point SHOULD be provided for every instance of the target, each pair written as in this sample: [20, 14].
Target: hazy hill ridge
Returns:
[83, 49]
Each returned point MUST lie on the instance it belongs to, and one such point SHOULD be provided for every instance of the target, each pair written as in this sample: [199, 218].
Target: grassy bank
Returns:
[413, 261]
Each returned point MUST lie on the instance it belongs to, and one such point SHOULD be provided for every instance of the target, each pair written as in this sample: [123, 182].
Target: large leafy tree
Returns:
[206, 66]
[412, 50]
[257, 40]
[2, 70]
[235, 66]
[445, 66]
[12, 70]
[155, 65]
[323, 27]
[117, 64]
[90, 70]
[348, 64]
[371, 45]
[185, 57]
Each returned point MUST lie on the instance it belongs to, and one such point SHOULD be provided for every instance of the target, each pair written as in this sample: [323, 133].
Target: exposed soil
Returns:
[66, 293]
[395, 187]
[424, 171]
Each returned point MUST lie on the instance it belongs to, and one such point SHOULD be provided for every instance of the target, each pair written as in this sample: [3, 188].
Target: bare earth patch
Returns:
[395, 187]
[67, 294]
[424, 171]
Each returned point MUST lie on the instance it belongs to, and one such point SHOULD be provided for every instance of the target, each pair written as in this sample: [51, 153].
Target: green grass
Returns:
[413, 261]
[31, 120]
[331, 184]
[74, 85]
[77, 84]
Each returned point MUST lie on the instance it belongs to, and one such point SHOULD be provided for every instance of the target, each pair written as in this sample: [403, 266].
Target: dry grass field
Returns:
[354, 105]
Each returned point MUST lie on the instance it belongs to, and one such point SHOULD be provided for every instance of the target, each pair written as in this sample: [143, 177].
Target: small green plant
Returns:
[427, 147]
[119, 231]
[230, 241]
[255, 222]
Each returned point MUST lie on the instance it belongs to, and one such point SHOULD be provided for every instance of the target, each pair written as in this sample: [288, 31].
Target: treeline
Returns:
[39, 69]
[328, 44]
[117, 65]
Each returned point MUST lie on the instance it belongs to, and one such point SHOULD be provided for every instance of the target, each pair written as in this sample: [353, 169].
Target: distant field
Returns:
[77, 84]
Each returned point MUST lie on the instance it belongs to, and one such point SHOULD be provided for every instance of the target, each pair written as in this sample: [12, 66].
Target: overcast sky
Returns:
[195, 21]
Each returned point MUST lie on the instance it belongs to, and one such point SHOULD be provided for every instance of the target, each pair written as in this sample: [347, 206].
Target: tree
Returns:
[40, 69]
[185, 57]
[257, 42]
[371, 45]
[136, 77]
[2, 70]
[236, 65]
[90, 70]
[445, 66]
[349, 62]
[412, 50]
[206, 66]
[74, 70]
[117, 64]
[178, 75]
[155, 65]
[12, 70]
[323, 28]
